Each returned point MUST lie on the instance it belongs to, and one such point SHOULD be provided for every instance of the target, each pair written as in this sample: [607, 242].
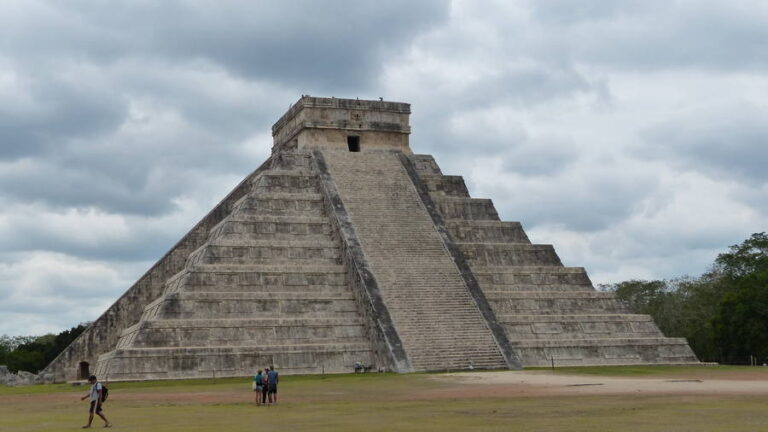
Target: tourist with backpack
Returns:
[97, 395]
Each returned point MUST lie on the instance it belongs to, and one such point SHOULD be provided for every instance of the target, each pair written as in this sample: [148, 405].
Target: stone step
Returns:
[243, 323]
[207, 362]
[269, 268]
[425, 164]
[288, 181]
[613, 351]
[479, 231]
[316, 289]
[296, 243]
[557, 305]
[539, 295]
[448, 355]
[538, 318]
[200, 305]
[255, 322]
[466, 208]
[285, 184]
[596, 342]
[273, 228]
[506, 254]
[296, 204]
[445, 185]
[266, 348]
[428, 309]
[280, 219]
[248, 296]
[530, 275]
[253, 349]
[431, 344]
[498, 290]
[244, 332]
[296, 160]
[579, 325]
[538, 333]
[266, 252]
[256, 277]
[441, 363]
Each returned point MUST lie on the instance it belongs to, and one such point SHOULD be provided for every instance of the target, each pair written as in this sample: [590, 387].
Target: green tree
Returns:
[741, 323]
[743, 259]
[723, 313]
[695, 307]
[33, 353]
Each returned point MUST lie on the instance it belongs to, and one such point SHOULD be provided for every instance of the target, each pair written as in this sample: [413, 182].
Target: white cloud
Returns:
[46, 292]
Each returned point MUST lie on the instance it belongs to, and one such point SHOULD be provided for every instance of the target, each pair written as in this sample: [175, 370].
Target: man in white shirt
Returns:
[95, 395]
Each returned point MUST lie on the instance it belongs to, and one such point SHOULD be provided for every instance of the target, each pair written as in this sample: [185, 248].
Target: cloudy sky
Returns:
[630, 134]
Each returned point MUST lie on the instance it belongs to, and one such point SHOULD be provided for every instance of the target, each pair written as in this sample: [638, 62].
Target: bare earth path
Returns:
[524, 383]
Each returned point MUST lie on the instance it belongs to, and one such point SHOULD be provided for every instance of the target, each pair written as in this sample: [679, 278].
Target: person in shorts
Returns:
[272, 379]
[95, 399]
[258, 387]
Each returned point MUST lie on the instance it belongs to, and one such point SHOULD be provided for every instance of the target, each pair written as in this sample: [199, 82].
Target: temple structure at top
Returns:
[346, 247]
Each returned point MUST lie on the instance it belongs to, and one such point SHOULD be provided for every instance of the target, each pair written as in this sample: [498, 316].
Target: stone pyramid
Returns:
[346, 247]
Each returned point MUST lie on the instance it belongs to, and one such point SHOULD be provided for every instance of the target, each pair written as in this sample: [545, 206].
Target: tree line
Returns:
[33, 353]
[723, 313]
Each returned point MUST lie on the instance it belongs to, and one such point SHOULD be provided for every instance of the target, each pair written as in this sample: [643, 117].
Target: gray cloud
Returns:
[730, 142]
[121, 106]
[579, 200]
[57, 110]
[327, 45]
[658, 35]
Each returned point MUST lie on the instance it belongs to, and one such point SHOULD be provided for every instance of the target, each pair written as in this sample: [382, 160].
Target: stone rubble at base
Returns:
[21, 378]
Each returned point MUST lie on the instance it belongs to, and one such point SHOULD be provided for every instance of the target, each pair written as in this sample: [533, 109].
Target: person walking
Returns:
[96, 398]
[258, 387]
[272, 379]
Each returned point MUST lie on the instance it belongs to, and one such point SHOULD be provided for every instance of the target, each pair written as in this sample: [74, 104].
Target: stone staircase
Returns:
[436, 318]
[549, 312]
[267, 287]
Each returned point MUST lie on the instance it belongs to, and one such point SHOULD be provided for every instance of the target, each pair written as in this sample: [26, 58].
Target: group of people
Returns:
[265, 386]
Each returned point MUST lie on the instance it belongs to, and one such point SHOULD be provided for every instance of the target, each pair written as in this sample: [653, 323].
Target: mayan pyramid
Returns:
[346, 247]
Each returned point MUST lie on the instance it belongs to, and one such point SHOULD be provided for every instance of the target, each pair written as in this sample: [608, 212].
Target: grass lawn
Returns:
[380, 402]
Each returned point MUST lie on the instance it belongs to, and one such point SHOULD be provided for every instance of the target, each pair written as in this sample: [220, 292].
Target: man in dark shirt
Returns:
[272, 380]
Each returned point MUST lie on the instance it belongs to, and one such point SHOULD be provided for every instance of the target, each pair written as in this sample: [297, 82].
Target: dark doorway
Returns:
[353, 142]
[83, 372]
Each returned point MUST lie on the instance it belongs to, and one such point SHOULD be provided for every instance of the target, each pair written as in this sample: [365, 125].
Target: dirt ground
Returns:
[539, 383]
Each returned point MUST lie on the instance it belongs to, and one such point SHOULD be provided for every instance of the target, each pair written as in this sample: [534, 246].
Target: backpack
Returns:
[104, 392]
